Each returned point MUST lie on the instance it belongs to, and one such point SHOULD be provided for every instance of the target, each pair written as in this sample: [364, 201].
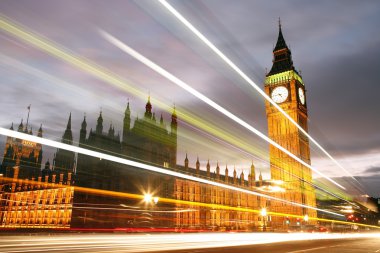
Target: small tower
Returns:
[99, 125]
[83, 132]
[111, 131]
[253, 173]
[226, 175]
[235, 178]
[21, 126]
[173, 139]
[197, 166]
[127, 123]
[217, 171]
[208, 168]
[186, 163]
[161, 121]
[67, 137]
[40, 131]
[260, 179]
[148, 109]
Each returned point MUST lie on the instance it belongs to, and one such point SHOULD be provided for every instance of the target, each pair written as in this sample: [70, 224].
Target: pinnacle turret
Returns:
[282, 56]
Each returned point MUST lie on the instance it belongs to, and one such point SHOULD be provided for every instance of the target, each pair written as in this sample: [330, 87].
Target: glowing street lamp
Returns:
[263, 213]
[155, 200]
[306, 218]
[147, 198]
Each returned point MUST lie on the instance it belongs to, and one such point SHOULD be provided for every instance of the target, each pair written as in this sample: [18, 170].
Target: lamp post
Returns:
[263, 213]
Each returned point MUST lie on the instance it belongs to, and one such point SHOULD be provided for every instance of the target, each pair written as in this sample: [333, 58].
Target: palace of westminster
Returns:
[79, 191]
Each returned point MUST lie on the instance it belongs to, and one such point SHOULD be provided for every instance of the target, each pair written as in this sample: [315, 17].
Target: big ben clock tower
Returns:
[286, 88]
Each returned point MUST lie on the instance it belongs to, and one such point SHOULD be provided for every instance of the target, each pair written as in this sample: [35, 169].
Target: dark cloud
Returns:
[372, 170]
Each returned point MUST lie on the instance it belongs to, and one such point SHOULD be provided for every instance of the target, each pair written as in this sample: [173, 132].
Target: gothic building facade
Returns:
[26, 155]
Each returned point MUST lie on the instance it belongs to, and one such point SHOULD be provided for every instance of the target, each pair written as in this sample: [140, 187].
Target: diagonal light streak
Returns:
[51, 143]
[107, 76]
[111, 78]
[184, 21]
[205, 99]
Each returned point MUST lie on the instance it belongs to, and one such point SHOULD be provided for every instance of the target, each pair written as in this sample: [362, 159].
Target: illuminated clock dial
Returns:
[301, 95]
[280, 94]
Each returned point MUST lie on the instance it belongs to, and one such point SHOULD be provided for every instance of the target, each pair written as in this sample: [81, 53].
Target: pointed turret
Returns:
[111, 131]
[161, 120]
[99, 125]
[174, 119]
[242, 178]
[260, 179]
[186, 163]
[217, 171]
[154, 117]
[282, 56]
[226, 174]
[67, 137]
[173, 138]
[253, 173]
[21, 126]
[69, 122]
[235, 174]
[148, 109]
[127, 123]
[197, 165]
[11, 128]
[208, 168]
[83, 131]
[40, 131]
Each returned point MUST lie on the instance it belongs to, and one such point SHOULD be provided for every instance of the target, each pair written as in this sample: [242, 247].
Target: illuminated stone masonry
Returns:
[38, 203]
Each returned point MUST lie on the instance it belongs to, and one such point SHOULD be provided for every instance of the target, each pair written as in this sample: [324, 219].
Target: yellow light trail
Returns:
[115, 80]
[184, 21]
[187, 203]
[207, 100]
[47, 142]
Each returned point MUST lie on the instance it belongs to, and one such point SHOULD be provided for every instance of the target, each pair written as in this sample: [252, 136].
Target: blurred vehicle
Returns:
[307, 229]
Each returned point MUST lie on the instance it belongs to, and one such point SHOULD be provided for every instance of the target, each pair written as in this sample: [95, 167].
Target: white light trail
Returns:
[184, 21]
[205, 99]
[162, 242]
[51, 143]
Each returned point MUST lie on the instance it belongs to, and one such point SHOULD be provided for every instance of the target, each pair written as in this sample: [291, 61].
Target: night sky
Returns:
[335, 45]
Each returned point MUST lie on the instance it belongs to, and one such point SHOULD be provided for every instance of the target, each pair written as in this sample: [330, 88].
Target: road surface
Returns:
[196, 242]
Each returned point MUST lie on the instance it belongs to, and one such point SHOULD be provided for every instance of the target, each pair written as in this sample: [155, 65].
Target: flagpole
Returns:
[27, 120]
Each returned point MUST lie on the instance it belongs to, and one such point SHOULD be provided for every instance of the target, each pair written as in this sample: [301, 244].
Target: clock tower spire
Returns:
[286, 88]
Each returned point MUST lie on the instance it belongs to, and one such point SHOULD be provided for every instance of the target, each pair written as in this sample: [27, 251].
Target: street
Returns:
[199, 242]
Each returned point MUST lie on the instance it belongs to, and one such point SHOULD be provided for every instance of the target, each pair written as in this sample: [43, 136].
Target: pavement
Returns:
[192, 242]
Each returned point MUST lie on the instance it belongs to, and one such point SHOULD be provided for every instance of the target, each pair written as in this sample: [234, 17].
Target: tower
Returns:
[127, 123]
[286, 88]
[83, 132]
[64, 160]
[99, 125]
[173, 137]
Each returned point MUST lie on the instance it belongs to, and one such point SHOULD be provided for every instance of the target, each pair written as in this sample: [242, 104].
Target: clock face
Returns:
[301, 96]
[280, 94]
